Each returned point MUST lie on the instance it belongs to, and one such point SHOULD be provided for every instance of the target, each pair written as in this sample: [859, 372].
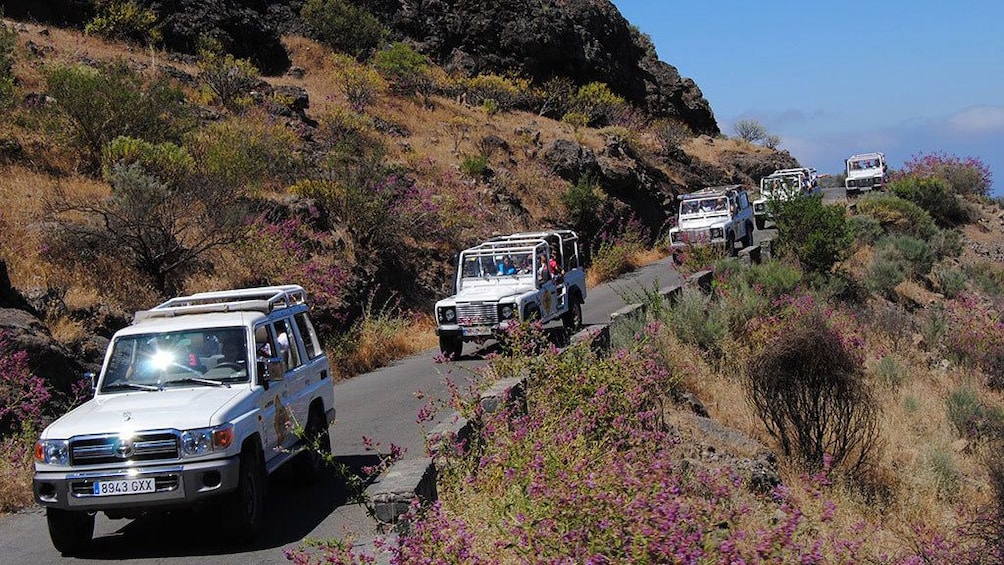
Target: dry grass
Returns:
[380, 341]
[16, 472]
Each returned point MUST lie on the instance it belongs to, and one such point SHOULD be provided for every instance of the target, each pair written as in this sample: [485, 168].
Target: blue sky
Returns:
[837, 78]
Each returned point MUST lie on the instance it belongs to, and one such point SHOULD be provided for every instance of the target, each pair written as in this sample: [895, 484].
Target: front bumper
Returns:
[176, 485]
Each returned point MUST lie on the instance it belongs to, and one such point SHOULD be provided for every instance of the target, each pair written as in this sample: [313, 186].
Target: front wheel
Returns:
[452, 347]
[245, 510]
[572, 320]
[730, 244]
[748, 238]
[70, 530]
[760, 222]
[318, 439]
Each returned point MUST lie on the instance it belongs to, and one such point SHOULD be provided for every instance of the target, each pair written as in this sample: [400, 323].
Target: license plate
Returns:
[480, 330]
[125, 486]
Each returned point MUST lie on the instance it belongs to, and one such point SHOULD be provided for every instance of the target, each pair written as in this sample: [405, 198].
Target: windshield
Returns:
[703, 206]
[789, 184]
[205, 357]
[508, 264]
[863, 164]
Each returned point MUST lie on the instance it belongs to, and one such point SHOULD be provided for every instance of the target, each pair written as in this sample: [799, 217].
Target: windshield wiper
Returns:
[211, 382]
[136, 386]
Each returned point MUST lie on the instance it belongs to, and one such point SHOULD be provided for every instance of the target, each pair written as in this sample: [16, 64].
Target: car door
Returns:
[273, 414]
[298, 378]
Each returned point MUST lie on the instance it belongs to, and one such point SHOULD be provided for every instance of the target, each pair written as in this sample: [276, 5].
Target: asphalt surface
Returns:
[382, 405]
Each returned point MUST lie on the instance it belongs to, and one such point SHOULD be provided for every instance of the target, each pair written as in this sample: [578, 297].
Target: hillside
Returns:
[133, 173]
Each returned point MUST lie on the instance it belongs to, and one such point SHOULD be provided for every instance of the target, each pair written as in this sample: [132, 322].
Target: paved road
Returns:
[380, 405]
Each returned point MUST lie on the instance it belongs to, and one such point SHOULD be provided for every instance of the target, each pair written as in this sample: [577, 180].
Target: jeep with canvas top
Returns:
[718, 216]
[198, 401]
[510, 279]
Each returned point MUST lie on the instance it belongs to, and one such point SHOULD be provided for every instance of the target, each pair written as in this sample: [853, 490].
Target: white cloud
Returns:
[978, 119]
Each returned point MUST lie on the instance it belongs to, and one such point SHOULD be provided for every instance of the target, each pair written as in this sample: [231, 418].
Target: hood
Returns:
[182, 409]
[493, 292]
[699, 222]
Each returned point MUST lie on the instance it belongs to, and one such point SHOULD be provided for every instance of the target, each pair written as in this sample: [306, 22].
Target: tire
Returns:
[313, 461]
[244, 511]
[572, 320]
[760, 223]
[748, 238]
[70, 530]
[452, 347]
[730, 243]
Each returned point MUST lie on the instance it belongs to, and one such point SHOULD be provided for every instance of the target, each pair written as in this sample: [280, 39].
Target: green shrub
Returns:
[596, 101]
[343, 25]
[113, 100]
[698, 320]
[987, 276]
[362, 85]
[230, 80]
[583, 203]
[166, 161]
[897, 216]
[866, 229]
[940, 464]
[507, 92]
[886, 270]
[972, 418]
[951, 281]
[577, 120]
[125, 20]
[402, 66]
[774, 278]
[816, 234]
[890, 371]
[936, 197]
[251, 152]
[933, 326]
[917, 255]
[474, 166]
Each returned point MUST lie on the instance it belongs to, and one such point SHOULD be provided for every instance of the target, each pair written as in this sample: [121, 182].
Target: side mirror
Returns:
[92, 377]
[270, 369]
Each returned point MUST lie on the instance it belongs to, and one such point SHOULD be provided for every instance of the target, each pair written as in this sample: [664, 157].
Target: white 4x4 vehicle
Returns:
[867, 171]
[197, 401]
[719, 215]
[523, 276]
[782, 185]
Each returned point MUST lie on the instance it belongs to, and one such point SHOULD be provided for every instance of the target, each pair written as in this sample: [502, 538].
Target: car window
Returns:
[310, 342]
[286, 338]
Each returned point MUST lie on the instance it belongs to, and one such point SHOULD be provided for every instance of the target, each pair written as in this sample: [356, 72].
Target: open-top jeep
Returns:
[867, 171]
[782, 185]
[509, 279]
[719, 215]
[198, 401]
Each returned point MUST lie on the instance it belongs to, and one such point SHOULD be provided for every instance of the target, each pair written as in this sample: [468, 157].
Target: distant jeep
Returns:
[780, 186]
[718, 216]
[509, 279]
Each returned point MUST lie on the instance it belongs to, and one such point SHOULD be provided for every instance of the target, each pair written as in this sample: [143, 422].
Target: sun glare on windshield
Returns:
[161, 360]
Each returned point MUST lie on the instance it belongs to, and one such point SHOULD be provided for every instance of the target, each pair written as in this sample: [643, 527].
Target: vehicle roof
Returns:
[189, 312]
[866, 156]
[192, 322]
[711, 191]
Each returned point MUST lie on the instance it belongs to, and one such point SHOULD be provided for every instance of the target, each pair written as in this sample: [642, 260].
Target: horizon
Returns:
[798, 85]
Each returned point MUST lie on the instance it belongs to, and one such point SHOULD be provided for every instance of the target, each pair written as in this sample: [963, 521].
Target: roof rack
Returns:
[711, 190]
[261, 299]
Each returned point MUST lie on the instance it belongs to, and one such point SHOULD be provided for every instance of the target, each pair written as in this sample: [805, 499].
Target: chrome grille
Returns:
[110, 449]
[477, 314]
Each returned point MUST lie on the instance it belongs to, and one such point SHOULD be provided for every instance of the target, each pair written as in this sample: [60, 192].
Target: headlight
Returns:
[204, 440]
[675, 237]
[716, 233]
[448, 315]
[506, 311]
[53, 451]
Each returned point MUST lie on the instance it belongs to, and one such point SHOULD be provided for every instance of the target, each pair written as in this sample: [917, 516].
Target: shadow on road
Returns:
[293, 510]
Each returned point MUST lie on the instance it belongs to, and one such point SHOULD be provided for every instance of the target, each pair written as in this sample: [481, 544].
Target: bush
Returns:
[343, 25]
[935, 196]
[474, 166]
[951, 281]
[598, 103]
[125, 20]
[773, 278]
[969, 176]
[749, 130]
[671, 133]
[166, 161]
[111, 101]
[917, 256]
[402, 66]
[816, 234]
[987, 276]
[808, 389]
[972, 418]
[583, 202]
[886, 270]
[975, 337]
[507, 93]
[8, 47]
[698, 320]
[361, 85]
[866, 229]
[890, 371]
[230, 80]
[897, 216]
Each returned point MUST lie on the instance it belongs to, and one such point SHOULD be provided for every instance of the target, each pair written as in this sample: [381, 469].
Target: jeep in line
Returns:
[527, 276]
[719, 216]
[782, 185]
[197, 402]
[865, 172]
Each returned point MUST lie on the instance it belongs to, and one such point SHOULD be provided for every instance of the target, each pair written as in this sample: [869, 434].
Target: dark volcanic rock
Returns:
[586, 40]
[569, 160]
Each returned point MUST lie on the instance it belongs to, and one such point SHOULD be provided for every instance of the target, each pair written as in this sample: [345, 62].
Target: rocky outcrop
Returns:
[587, 40]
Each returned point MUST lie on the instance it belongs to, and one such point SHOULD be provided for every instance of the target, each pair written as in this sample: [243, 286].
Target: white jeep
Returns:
[783, 185]
[198, 401]
[509, 279]
[719, 216]
[865, 172]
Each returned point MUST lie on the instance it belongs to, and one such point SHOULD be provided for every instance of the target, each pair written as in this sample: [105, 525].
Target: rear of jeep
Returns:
[197, 402]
